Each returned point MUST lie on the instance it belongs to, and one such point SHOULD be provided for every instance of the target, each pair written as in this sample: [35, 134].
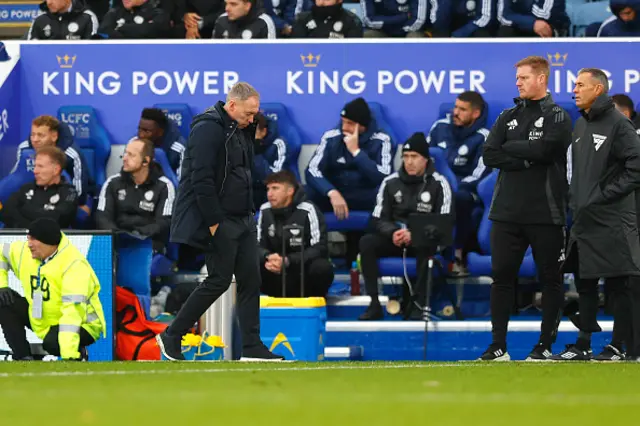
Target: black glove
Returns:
[6, 296]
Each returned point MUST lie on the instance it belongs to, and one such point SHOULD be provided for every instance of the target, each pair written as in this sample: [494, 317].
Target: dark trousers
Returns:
[509, 242]
[626, 326]
[233, 251]
[318, 277]
[375, 246]
[464, 222]
[624, 293]
[15, 318]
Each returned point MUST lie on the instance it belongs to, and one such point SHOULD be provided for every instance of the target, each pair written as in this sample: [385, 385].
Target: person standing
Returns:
[605, 157]
[214, 213]
[528, 144]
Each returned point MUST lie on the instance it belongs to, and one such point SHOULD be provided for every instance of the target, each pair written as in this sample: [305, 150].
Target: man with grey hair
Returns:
[604, 243]
[214, 213]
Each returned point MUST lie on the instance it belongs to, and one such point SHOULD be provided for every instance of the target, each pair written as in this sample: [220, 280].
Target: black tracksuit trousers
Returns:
[509, 243]
[233, 251]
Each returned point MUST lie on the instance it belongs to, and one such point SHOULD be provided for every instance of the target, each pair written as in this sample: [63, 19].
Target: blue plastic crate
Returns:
[294, 327]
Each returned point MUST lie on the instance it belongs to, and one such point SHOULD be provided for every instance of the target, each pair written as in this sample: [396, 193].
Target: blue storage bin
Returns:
[294, 327]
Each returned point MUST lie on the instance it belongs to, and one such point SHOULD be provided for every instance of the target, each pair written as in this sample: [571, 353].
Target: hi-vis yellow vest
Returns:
[69, 289]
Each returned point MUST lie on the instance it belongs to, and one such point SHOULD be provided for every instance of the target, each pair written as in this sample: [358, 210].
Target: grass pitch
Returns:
[331, 394]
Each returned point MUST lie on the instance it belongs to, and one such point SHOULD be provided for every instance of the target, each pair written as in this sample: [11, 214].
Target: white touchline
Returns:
[230, 370]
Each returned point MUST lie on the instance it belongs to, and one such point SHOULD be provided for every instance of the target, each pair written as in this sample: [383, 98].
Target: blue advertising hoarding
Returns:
[18, 13]
[9, 110]
[314, 80]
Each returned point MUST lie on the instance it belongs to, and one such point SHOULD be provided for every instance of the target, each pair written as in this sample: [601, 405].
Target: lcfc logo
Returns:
[66, 61]
[281, 339]
[557, 59]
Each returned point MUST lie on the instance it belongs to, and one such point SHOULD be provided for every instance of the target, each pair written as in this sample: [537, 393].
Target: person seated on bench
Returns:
[48, 131]
[49, 195]
[461, 136]
[139, 199]
[164, 133]
[348, 167]
[270, 155]
[287, 206]
[415, 188]
[62, 295]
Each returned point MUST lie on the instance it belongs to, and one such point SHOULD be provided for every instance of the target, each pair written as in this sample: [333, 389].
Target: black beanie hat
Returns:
[417, 143]
[357, 110]
[45, 230]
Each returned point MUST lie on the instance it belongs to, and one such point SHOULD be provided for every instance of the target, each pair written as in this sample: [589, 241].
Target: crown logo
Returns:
[310, 61]
[66, 61]
[557, 59]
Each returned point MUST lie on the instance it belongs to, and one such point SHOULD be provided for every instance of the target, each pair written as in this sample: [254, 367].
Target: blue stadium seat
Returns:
[91, 137]
[479, 264]
[161, 158]
[583, 15]
[289, 131]
[355, 8]
[392, 266]
[357, 221]
[572, 109]
[162, 265]
[180, 114]
[378, 113]
[23, 174]
[445, 108]
[134, 267]
[442, 167]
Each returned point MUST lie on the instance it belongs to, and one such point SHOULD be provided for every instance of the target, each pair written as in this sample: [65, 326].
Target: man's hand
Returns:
[192, 33]
[339, 205]
[191, 20]
[213, 229]
[287, 30]
[543, 29]
[407, 237]
[351, 140]
[274, 263]
[6, 297]
[398, 237]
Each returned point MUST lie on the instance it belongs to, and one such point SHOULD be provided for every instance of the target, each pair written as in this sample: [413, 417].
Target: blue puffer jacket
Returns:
[334, 167]
[271, 155]
[463, 148]
[616, 27]
[522, 14]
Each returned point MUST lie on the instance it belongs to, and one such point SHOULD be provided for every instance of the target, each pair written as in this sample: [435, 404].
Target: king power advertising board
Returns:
[312, 80]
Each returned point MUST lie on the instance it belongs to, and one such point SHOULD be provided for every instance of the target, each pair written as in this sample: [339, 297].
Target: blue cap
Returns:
[4, 56]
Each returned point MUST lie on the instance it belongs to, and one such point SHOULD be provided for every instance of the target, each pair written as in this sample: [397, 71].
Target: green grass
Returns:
[332, 394]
